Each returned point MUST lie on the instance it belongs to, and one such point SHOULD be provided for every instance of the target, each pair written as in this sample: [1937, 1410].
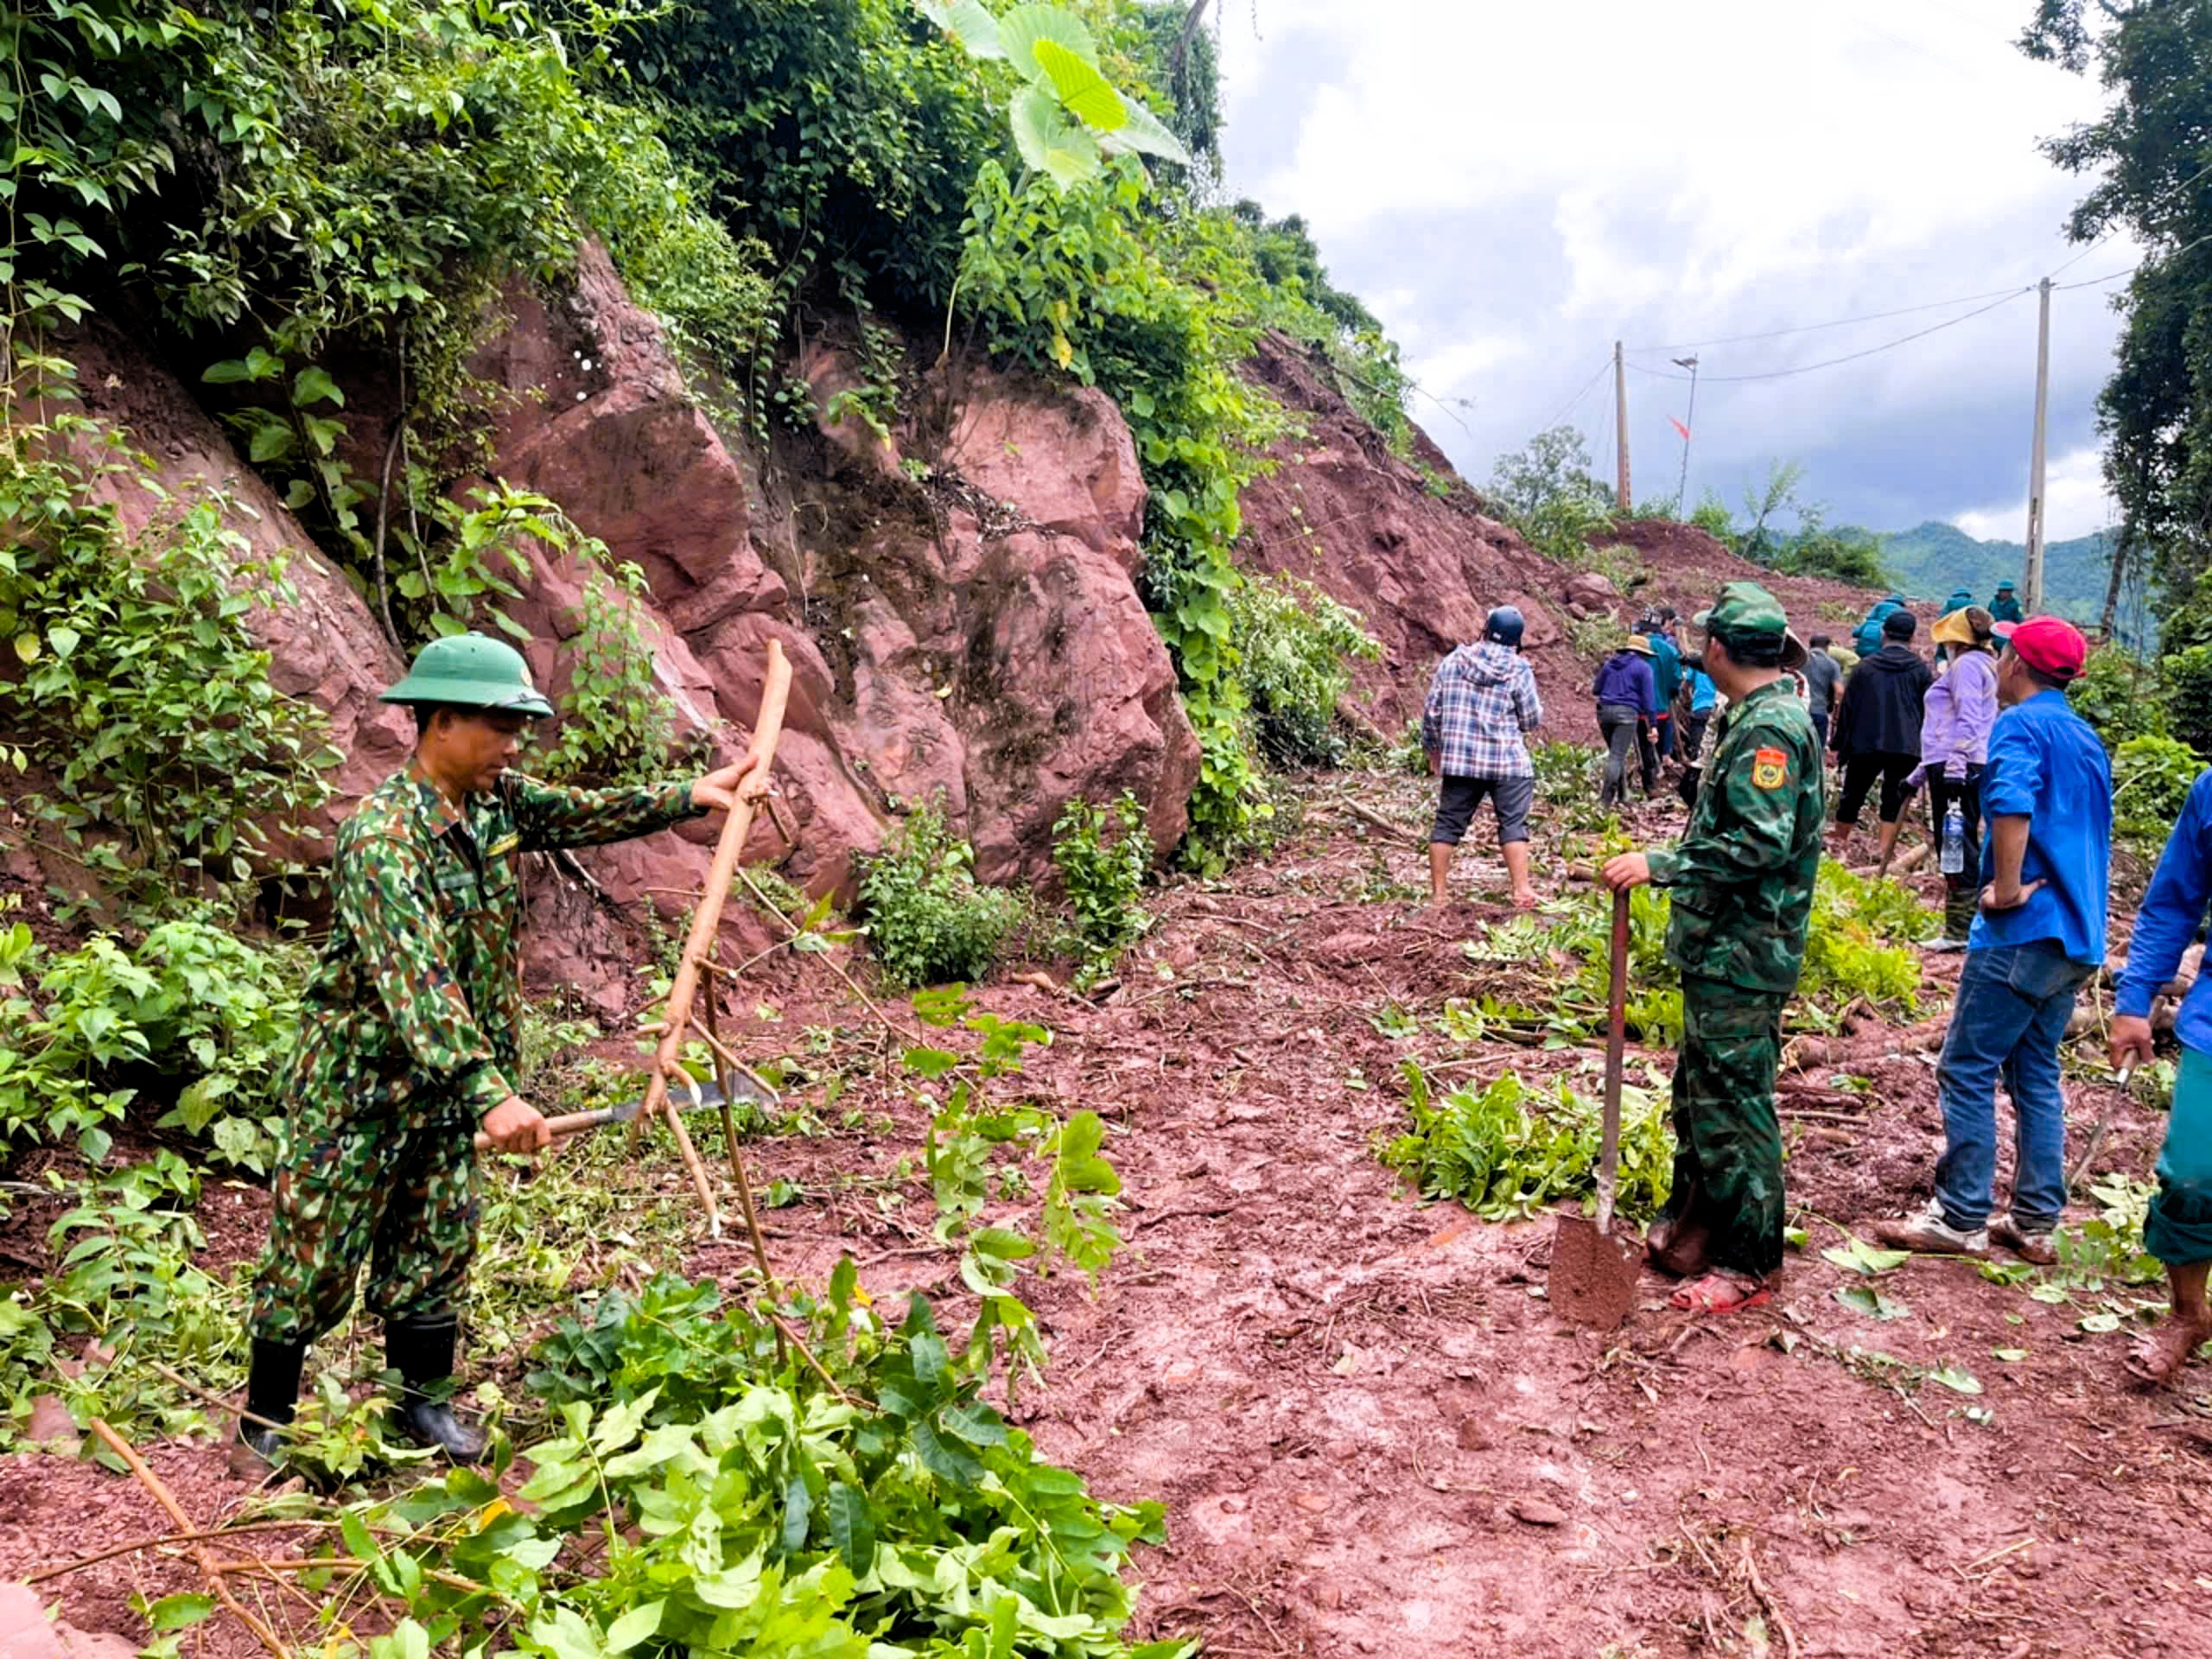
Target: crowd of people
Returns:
[2020, 801]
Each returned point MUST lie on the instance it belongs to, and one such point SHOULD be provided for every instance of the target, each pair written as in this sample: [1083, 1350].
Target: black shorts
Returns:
[1860, 772]
[1456, 803]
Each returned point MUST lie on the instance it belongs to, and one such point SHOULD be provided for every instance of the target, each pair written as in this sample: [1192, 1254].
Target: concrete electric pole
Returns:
[2032, 591]
[1620, 422]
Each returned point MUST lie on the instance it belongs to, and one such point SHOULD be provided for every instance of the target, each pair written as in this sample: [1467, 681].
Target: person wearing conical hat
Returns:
[408, 1037]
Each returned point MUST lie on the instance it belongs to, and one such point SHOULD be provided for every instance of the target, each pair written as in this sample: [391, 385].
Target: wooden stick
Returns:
[1380, 823]
[723, 1073]
[706, 921]
[807, 1354]
[209, 1566]
[796, 932]
[737, 1158]
[167, 1538]
[210, 1397]
[354, 1564]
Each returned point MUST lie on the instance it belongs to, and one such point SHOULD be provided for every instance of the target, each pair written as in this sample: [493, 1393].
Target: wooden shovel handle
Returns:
[1609, 1156]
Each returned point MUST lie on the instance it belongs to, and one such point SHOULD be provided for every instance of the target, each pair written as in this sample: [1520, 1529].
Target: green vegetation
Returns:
[1103, 855]
[1510, 1148]
[192, 1014]
[1814, 548]
[980, 1149]
[1547, 493]
[141, 695]
[2144, 157]
[1296, 643]
[928, 923]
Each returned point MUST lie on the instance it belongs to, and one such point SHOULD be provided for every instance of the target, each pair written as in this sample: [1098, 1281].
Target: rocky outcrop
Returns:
[1424, 569]
[965, 630]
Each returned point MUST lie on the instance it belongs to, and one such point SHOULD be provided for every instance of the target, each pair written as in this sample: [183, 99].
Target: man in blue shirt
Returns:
[2047, 793]
[1666, 675]
[2178, 1231]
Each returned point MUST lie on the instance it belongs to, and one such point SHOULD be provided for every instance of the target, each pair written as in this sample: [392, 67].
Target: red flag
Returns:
[1680, 428]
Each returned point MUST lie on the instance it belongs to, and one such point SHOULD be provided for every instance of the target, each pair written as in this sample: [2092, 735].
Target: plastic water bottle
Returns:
[1952, 859]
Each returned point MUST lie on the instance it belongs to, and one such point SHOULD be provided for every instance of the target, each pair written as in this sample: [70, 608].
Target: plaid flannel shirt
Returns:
[1483, 698]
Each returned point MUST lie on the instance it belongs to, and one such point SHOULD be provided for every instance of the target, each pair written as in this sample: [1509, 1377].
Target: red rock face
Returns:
[1341, 511]
[971, 636]
[962, 628]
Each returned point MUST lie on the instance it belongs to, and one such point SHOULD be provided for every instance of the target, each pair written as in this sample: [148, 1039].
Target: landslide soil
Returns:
[1372, 1433]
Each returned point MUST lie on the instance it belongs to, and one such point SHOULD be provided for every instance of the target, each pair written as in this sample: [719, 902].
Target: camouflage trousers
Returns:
[1727, 1140]
[400, 1195]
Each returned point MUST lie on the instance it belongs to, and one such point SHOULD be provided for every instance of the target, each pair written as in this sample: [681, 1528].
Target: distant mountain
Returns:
[1933, 559]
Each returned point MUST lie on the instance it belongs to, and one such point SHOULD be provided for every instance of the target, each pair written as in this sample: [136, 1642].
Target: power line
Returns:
[1575, 402]
[2091, 281]
[1849, 357]
[1837, 322]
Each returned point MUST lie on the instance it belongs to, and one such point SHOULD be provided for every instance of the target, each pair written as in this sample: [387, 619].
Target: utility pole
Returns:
[1620, 422]
[2031, 594]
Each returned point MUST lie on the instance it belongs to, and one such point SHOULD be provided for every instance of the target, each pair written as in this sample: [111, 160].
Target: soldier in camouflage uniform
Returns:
[407, 1039]
[1741, 879]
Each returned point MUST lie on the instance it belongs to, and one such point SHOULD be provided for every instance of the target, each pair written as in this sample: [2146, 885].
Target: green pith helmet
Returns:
[470, 671]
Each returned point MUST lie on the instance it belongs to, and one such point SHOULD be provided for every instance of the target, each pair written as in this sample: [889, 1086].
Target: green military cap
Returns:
[471, 671]
[1746, 608]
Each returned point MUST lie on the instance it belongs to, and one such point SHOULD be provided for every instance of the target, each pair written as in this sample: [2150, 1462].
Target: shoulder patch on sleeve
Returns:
[1769, 768]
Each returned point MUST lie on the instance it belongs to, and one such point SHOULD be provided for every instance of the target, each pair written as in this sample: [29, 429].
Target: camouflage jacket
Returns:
[1741, 878]
[414, 1008]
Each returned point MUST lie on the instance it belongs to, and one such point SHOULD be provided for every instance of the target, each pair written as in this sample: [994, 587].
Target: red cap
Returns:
[2051, 645]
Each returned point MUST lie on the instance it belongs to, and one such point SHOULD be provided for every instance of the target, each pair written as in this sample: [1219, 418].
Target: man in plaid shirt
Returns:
[1483, 698]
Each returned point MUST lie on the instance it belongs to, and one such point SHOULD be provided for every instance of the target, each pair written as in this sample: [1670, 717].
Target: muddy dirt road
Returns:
[1371, 1434]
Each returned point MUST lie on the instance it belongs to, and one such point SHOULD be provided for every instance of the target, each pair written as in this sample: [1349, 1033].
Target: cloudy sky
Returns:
[1512, 186]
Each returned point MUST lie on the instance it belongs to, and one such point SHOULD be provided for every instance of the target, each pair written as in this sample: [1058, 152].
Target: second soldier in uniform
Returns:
[1741, 881]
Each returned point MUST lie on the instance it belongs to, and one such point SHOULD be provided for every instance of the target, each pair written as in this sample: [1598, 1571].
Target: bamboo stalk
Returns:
[209, 1566]
[706, 921]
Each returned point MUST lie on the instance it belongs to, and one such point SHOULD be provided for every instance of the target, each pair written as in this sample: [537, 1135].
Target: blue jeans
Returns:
[2011, 1014]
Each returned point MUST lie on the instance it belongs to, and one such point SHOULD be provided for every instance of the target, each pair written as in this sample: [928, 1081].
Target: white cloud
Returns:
[2077, 504]
[1514, 188]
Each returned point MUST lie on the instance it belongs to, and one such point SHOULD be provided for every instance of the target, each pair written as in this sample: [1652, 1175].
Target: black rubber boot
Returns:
[272, 1389]
[421, 1351]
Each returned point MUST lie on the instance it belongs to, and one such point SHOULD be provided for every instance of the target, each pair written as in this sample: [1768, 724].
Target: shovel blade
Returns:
[1593, 1277]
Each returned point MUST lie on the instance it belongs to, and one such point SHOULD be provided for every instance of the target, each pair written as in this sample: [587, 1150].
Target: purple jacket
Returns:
[1626, 678]
[1960, 709]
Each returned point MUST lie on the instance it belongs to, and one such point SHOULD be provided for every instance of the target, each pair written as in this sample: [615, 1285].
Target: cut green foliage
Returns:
[928, 922]
[1103, 855]
[123, 1291]
[1510, 1147]
[193, 1009]
[1295, 642]
[1866, 1300]
[1860, 1257]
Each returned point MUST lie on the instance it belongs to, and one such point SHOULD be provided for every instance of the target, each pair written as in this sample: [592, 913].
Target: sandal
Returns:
[2159, 1363]
[1721, 1292]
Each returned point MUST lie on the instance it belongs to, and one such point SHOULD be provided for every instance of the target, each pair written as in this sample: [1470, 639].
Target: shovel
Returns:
[1593, 1277]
